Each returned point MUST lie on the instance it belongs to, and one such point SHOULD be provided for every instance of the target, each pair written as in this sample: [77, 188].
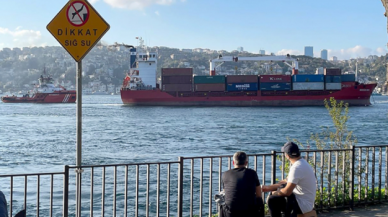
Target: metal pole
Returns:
[79, 135]
[180, 187]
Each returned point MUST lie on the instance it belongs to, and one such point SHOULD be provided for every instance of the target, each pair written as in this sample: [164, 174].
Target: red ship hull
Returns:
[55, 97]
[354, 95]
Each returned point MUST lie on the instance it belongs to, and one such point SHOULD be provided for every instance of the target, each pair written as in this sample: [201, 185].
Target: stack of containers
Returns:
[275, 82]
[333, 79]
[242, 83]
[308, 82]
[177, 79]
[209, 83]
[348, 80]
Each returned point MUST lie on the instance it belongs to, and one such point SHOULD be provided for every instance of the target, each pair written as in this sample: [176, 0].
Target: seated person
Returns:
[296, 194]
[3, 205]
[242, 190]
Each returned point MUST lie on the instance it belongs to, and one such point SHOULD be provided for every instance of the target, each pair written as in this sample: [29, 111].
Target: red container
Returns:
[332, 71]
[241, 79]
[209, 87]
[275, 78]
[177, 71]
[348, 84]
[177, 79]
[177, 87]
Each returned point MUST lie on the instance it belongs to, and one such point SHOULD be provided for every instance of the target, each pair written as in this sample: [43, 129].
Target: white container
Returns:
[333, 86]
[308, 85]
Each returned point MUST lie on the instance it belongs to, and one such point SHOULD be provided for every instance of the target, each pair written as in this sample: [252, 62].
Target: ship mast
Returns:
[385, 87]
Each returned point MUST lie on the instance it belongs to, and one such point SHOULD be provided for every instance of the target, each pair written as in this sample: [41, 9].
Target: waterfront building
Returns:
[324, 54]
[309, 51]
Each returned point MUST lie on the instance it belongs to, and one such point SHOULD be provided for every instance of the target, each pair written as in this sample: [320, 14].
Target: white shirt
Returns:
[302, 174]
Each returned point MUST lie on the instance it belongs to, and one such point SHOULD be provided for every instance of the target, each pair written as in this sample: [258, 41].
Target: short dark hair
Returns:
[240, 158]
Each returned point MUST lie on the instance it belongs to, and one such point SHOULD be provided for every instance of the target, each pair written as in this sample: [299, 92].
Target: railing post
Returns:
[180, 187]
[353, 151]
[66, 192]
[273, 168]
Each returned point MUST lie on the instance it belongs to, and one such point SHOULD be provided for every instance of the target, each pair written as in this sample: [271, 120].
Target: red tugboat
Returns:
[45, 92]
[179, 87]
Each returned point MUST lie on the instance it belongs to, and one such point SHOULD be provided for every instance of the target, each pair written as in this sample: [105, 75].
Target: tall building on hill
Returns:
[308, 51]
[324, 54]
[240, 49]
[262, 52]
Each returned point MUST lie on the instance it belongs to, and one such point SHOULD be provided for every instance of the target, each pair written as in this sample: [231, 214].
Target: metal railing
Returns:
[345, 178]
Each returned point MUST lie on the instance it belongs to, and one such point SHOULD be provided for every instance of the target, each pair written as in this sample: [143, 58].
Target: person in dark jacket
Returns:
[3, 205]
[242, 190]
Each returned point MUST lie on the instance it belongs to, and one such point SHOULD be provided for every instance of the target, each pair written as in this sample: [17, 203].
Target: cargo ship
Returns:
[180, 87]
[45, 92]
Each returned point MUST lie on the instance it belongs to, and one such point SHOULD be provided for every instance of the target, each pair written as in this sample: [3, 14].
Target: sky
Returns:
[346, 28]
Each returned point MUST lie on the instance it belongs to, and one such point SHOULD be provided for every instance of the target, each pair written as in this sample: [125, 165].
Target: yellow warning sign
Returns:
[78, 27]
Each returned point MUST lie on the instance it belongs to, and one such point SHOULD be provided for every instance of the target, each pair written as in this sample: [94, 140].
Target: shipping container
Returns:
[275, 78]
[348, 77]
[308, 86]
[308, 78]
[333, 79]
[218, 79]
[348, 84]
[275, 86]
[230, 79]
[177, 71]
[332, 71]
[242, 87]
[177, 79]
[333, 86]
[209, 87]
[177, 87]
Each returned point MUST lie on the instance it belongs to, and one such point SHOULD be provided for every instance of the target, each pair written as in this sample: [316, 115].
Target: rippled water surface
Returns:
[42, 137]
[37, 138]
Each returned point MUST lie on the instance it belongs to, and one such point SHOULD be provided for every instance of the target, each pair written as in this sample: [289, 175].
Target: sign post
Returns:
[78, 27]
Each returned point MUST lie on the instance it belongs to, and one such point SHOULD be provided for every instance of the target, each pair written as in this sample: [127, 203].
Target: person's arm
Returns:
[274, 187]
[286, 191]
[258, 191]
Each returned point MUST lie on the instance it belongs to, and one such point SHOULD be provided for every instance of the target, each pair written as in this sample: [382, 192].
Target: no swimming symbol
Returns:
[77, 13]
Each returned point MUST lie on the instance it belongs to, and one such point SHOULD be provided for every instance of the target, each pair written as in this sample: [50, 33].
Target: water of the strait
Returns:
[42, 137]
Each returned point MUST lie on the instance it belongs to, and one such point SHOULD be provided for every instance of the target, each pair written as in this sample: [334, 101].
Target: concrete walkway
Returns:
[378, 210]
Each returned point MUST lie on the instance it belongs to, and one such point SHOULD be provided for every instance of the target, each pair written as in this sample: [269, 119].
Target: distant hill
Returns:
[18, 68]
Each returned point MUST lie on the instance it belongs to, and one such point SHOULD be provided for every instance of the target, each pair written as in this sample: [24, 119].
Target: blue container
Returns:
[242, 87]
[275, 86]
[308, 78]
[348, 77]
[333, 79]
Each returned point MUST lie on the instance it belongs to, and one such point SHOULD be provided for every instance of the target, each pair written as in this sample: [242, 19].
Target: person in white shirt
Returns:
[296, 194]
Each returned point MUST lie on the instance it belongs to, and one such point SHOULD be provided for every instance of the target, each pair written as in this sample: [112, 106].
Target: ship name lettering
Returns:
[80, 32]
[364, 90]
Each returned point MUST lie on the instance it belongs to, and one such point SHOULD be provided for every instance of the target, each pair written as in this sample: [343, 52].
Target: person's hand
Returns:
[275, 193]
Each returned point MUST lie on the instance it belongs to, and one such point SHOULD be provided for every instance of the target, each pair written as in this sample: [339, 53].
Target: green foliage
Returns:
[339, 137]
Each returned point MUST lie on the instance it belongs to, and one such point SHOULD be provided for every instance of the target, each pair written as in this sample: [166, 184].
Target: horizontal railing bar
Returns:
[218, 156]
[370, 146]
[131, 164]
[32, 174]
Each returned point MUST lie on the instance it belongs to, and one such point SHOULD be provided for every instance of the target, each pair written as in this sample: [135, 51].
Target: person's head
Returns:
[291, 150]
[240, 159]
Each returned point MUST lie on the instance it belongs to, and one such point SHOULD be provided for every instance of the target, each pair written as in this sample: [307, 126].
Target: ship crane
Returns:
[221, 59]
